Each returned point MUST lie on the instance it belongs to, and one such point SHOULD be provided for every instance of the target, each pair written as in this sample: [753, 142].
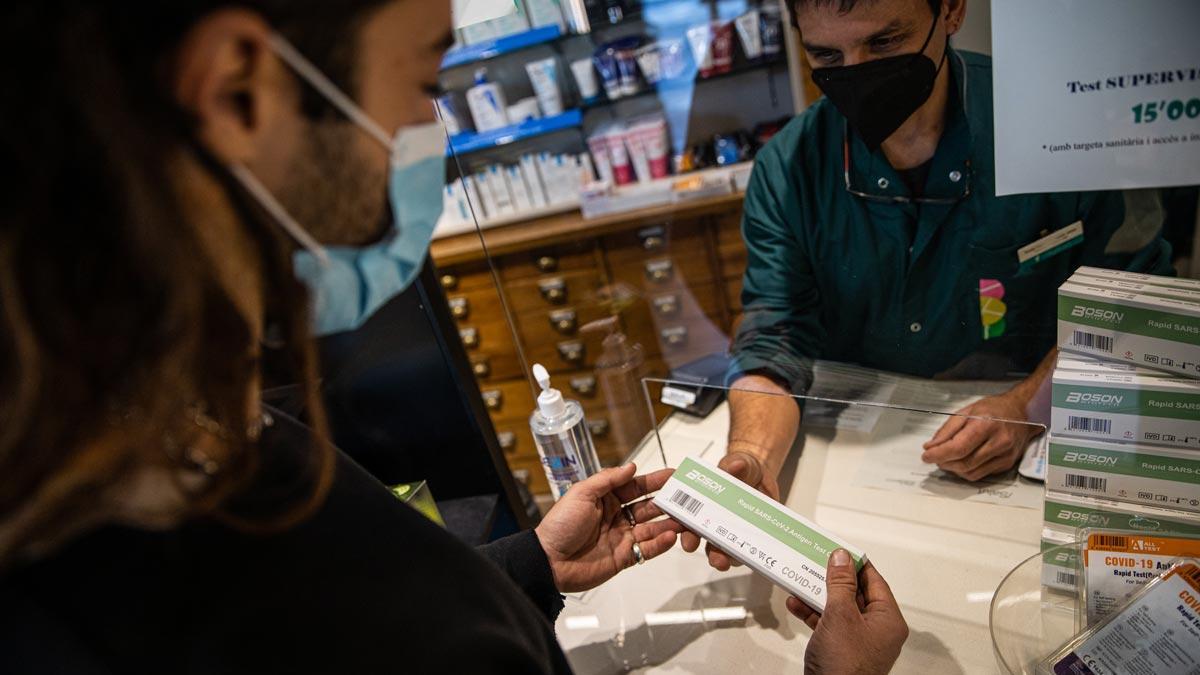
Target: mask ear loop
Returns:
[317, 80]
[260, 192]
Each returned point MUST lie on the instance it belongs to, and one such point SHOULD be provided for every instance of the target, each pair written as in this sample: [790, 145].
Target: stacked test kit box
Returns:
[1125, 426]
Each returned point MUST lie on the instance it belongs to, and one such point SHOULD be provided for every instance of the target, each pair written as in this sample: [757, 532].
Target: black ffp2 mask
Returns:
[877, 97]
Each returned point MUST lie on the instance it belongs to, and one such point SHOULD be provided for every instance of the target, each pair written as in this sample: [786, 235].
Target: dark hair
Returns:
[845, 6]
[110, 318]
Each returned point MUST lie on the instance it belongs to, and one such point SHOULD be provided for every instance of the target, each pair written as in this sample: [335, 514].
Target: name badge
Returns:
[1050, 245]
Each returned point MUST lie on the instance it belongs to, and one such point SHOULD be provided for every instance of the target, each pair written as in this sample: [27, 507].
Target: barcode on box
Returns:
[1112, 540]
[1087, 482]
[1064, 578]
[1094, 425]
[687, 501]
[1102, 343]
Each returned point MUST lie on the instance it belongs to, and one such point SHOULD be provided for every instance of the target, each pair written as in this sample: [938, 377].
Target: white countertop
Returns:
[942, 556]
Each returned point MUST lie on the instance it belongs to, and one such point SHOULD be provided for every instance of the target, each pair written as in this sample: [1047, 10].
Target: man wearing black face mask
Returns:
[875, 237]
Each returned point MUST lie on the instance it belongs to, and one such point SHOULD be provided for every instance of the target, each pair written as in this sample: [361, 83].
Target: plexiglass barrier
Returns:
[858, 469]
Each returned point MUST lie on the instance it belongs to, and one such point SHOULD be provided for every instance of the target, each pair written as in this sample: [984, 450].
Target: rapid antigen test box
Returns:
[763, 534]
[1066, 516]
[1138, 278]
[1125, 472]
[1144, 330]
[1087, 364]
[1126, 407]
[1163, 287]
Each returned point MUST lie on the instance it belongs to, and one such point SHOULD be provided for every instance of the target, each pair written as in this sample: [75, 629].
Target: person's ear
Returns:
[954, 12]
[224, 76]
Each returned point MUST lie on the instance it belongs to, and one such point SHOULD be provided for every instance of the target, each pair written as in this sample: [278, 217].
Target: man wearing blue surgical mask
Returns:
[875, 237]
[192, 171]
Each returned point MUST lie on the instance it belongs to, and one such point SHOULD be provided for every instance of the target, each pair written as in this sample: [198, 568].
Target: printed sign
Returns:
[1095, 95]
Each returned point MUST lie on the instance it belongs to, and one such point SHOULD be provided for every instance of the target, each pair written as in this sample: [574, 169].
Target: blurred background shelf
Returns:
[466, 143]
[463, 56]
[686, 83]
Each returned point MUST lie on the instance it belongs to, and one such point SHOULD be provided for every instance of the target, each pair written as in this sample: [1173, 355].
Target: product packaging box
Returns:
[1060, 566]
[1087, 364]
[1136, 278]
[763, 534]
[1093, 279]
[1155, 631]
[1144, 330]
[1125, 472]
[1126, 407]
[1065, 514]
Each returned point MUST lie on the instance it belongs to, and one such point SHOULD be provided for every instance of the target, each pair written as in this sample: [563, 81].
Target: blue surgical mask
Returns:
[350, 283]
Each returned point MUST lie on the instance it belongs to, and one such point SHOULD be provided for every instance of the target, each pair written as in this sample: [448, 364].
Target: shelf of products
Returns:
[490, 49]
[685, 82]
[466, 143]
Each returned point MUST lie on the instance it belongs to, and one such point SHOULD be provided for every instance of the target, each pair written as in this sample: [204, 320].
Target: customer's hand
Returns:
[750, 470]
[588, 538]
[975, 444]
[861, 631]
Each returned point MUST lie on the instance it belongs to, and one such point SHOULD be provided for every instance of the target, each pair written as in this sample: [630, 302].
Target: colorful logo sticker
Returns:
[992, 308]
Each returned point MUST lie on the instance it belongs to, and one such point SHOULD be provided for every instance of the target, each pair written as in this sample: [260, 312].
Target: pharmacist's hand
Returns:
[862, 629]
[754, 473]
[587, 536]
[975, 448]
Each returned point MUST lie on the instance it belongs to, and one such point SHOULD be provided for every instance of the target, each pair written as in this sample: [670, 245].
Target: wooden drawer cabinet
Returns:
[551, 260]
[673, 271]
[655, 241]
[678, 321]
[509, 400]
[554, 291]
[466, 277]
[552, 325]
[687, 275]
[481, 305]
[567, 354]
[534, 473]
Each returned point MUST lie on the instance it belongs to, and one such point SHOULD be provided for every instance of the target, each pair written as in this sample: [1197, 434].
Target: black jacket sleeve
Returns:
[521, 557]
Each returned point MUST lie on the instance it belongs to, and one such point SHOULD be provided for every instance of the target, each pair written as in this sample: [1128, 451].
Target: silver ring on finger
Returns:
[629, 516]
[637, 553]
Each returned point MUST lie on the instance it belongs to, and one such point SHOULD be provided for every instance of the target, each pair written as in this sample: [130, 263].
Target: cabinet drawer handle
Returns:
[554, 291]
[564, 321]
[660, 271]
[460, 308]
[508, 441]
[469, 337]
[482, 368]
[653, 238]
[599, 428]
[674, 337]
[449, 282]
[547, 263]
[493, 399]
[572, 352]
[667, 305]
[584, 385]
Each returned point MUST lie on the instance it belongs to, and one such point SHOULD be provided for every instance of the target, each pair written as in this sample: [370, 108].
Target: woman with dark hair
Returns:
[178, 165]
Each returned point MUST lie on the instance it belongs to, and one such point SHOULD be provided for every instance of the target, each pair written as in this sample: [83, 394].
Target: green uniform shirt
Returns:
[914, 288]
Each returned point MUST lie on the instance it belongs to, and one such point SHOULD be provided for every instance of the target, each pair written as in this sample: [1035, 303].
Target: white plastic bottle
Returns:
[562, 437]
[487, 104]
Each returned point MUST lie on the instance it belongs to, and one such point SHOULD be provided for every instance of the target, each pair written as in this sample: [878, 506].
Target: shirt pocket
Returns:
[1020, 295]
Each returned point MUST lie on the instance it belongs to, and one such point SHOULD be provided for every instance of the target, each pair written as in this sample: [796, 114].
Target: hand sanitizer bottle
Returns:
[562, 437]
